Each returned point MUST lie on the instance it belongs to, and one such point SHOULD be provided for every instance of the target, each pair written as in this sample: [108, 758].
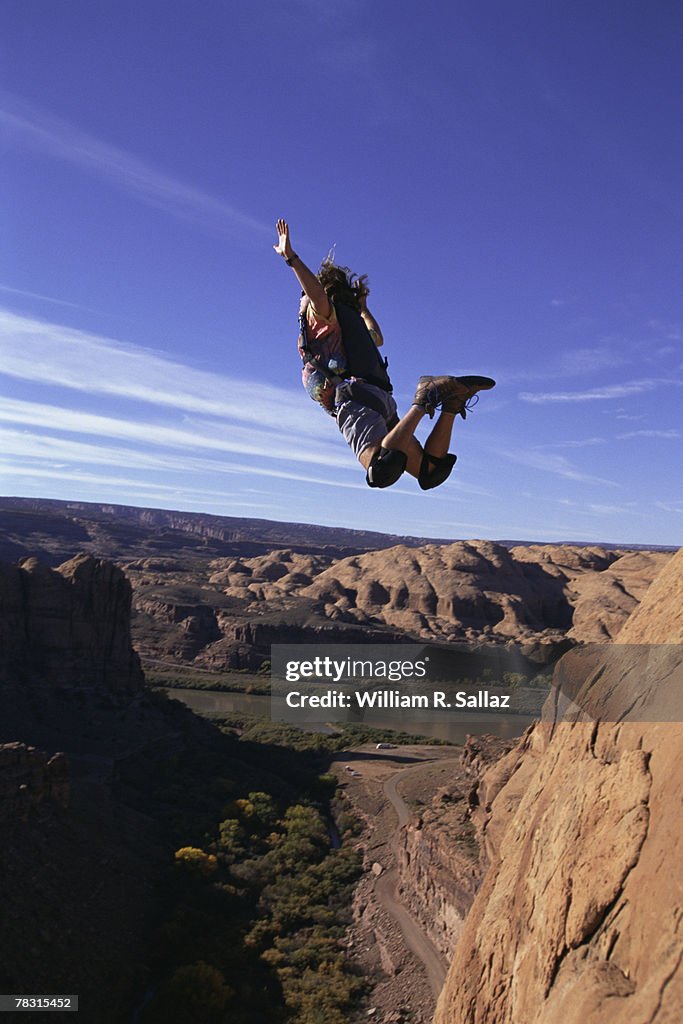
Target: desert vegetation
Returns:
[257, 901]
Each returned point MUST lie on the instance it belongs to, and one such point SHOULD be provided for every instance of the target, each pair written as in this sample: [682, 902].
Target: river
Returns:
[452, 728]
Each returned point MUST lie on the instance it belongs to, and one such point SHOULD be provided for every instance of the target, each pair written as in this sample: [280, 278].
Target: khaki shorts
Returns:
[361, 425]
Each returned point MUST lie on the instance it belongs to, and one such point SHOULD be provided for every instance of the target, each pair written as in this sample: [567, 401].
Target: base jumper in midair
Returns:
[343, 371]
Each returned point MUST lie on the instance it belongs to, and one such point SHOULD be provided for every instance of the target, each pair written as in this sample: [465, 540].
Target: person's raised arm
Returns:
[307, 279]
[362, 292]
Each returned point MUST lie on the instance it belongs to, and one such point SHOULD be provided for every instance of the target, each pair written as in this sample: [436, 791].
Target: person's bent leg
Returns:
[365, 430]
[397, 452]
[430, 466]
[437, 462]
[402, 437]
[387, 454]
[403, 432]
[384, 466]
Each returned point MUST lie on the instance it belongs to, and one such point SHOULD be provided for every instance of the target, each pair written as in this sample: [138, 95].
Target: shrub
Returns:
[196, 861]
[195, 992]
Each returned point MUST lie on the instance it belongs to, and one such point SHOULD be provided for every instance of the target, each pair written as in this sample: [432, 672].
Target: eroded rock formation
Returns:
[539, 596]
[196, 578]
[30, 779]
[604, 600]
[473, 588]
[68, 627]
[578, 920]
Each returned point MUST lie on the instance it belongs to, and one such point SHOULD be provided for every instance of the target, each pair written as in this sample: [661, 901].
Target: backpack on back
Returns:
[360, 357]
[362, 354]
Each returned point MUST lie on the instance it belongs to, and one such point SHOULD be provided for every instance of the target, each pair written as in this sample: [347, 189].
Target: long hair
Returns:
[341, 284]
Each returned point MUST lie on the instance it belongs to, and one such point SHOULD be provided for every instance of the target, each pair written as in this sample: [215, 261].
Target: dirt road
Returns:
[413, 936]
[384, 790]
[385, 889]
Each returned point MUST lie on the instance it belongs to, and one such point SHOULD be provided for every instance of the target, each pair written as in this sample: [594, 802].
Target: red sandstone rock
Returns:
[578, 918]
[475, 587]
[604, 600]
[536, 596]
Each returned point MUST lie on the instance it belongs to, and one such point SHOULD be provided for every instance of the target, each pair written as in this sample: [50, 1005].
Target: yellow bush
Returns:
[196, 861]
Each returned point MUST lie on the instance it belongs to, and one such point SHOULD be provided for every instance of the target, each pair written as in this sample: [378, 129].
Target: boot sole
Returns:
[480, 383]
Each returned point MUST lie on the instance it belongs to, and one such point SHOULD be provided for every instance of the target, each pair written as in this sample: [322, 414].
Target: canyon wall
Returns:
[578, 919]
[68, 627]
[78, 862]
[437, 877]
[438, 862]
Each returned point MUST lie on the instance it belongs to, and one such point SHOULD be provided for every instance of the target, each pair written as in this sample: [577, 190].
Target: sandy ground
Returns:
[386, 940]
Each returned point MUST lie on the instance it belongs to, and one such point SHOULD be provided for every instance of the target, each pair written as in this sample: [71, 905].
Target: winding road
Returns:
[385, 888]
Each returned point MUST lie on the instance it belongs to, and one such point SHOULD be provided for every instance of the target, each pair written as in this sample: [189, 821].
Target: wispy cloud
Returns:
[570, 362]
[666, 329]
[24, 294]
[558, 465]
[593, 508]
[264, 444]
[622, 415]
[158, 422]
[668, 434]
[591, 358]
[607, 393]
[671, 506]
[106, 483]
[49, 134]
[591, 442]
[588, 442]
[49, 451]
[48, 353]
[601, 509]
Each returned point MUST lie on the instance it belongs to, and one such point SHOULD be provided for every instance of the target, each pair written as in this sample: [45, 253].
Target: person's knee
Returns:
[433, 470]
[387, 465]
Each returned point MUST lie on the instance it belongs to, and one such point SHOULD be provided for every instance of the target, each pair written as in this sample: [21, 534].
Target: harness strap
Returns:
[352, 389]
[308, 355]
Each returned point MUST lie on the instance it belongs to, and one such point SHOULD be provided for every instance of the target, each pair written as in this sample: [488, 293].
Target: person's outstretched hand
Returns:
[284, 246]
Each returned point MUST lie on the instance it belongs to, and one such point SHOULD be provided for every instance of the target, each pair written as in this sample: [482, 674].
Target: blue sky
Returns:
[509, 176]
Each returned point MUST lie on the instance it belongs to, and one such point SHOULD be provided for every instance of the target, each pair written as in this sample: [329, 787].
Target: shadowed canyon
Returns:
[525, 881]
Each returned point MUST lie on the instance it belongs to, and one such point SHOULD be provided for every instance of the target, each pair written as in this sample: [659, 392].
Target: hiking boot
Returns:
[460, 404]
[432, 391]
[451, 393]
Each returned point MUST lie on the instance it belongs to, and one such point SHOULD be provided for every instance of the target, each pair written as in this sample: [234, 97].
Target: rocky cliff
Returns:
[77, 862]
[30, 780]
[439, 870]
[69, 627]
[578, 920]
